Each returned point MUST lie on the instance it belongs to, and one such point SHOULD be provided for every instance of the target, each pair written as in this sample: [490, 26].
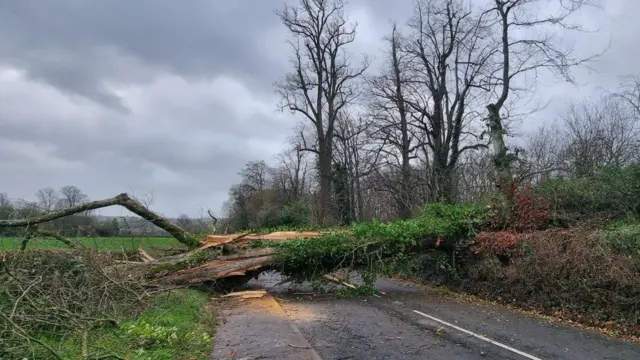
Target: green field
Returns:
[102, 243]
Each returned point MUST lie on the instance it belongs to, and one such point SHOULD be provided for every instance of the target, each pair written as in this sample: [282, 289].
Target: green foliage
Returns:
[176, 326]
[269, 217]
[291, 216]
[452, 223]
[613, 191]
[361, 246]
[432, 265]
[347, 292]
[623, 238]
[149, 335]
[295, 214]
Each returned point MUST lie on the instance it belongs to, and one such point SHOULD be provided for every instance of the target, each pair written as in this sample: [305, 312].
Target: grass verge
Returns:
[173, 325]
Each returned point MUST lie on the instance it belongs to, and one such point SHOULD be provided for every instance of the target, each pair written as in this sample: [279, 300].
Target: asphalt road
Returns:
[412, 323]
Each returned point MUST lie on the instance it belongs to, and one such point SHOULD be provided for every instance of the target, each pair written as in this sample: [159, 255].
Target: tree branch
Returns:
[123, 200]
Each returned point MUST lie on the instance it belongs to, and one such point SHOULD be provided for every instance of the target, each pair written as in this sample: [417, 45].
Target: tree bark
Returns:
[325, 158]
[123, 200]
[203, 264]
[404, 209]
[33, 231]
[501, 159]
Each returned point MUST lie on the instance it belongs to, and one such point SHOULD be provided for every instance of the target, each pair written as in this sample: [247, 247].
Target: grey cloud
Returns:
[76, 45]
[181, 92]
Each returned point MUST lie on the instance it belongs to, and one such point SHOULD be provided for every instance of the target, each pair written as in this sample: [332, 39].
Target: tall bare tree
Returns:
[393, 120]
[450, 55]
[355, 158]
[322, 81]
[529, 41]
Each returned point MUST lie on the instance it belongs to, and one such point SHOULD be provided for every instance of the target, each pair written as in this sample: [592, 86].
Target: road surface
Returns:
[407, 322]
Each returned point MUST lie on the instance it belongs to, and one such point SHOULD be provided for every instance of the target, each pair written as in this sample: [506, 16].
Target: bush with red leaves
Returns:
[524, 212]
[501, 243]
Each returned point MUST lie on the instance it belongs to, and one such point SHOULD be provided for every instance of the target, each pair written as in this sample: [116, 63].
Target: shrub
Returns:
[295, 214]
[269, 217]
[526, 212]
[623, 238]
[574, 271]
[613, 191]
[53, 293]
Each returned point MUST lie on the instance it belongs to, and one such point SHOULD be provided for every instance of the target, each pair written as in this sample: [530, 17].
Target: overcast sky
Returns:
[173, 97]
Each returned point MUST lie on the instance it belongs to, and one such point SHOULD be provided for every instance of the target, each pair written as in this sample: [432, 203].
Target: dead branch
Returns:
[34, 231]
[214, 222]
[123, 200]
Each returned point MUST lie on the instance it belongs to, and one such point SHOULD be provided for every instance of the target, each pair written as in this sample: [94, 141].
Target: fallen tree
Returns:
[123, 200]
[297, 255]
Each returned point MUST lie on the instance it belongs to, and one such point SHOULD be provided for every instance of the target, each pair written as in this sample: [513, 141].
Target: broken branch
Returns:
[123, 200]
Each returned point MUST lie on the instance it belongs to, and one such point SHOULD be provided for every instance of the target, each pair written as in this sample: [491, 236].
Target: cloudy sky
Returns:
[173, 97]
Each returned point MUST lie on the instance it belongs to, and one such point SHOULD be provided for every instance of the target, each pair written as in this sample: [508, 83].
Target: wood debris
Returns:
[145, 256]
[249, 294]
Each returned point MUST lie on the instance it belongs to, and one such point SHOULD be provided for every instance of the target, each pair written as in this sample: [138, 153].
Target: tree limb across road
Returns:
[123, 200]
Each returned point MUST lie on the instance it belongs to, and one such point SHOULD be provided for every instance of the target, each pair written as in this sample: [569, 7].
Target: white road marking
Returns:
[528, 356]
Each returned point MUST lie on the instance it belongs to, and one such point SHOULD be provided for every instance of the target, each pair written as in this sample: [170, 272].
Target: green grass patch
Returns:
[101, 243]
[175, 325]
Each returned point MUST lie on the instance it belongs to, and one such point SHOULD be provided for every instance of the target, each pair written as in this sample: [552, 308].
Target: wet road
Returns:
[412, 323]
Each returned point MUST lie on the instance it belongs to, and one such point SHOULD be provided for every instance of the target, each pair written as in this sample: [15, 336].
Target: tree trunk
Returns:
[203, 264]
[501, 159]
[325, 173]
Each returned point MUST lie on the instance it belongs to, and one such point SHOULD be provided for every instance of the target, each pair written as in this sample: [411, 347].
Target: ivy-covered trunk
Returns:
[501, 159]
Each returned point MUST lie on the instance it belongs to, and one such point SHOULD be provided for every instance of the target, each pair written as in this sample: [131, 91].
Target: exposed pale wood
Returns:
[218, 240]
[218, 269]
[246, 238]
[145, 256]
[338, 281]
[246, 293]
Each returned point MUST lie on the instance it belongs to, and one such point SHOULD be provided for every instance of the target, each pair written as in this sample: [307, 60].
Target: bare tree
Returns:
[630, 92]
[599, 133]
[450, 57]
[542, 154]
[393, 120]
[184, 221]
[528, 43]
[355, 159]
[251, 195]
[473, 176]
[47, 199]
[70, 196]
[294, 171]
[322, 81]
